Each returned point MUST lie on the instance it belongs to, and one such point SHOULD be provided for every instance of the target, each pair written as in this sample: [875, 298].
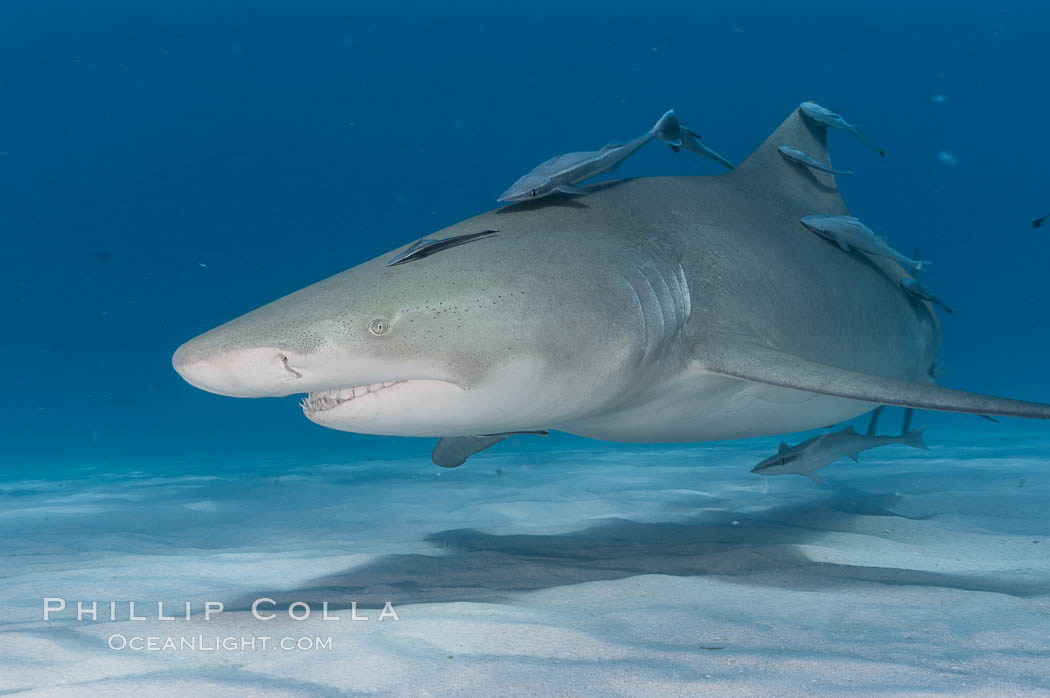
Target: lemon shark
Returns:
[650, 309]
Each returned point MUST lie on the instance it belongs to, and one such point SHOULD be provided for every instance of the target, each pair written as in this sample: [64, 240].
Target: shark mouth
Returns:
[362, 395]
[329, 399]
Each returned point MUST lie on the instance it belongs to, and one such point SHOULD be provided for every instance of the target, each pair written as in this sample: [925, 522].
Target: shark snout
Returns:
[254, 372]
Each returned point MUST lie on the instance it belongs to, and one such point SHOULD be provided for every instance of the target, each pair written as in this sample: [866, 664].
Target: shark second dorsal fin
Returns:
[766, 171]
[783, 447]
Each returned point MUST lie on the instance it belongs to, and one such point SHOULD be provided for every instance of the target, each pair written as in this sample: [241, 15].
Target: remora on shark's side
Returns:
[803, 158]
[848, 233]
[922, 291]
[659, 309]
[821, 451]
[829, 119]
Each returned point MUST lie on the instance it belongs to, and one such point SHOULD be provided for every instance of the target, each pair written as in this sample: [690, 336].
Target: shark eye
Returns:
[378, 326]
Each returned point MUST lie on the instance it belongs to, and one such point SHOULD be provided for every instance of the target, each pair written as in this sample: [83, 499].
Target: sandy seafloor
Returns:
[593, 570]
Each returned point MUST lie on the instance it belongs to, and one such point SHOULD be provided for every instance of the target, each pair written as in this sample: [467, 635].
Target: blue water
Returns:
[279, 144]
[167, 166]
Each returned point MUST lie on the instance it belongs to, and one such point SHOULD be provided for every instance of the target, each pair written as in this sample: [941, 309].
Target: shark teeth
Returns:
[327, 399]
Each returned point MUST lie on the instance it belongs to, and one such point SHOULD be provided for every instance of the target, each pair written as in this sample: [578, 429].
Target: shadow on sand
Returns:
[761, 548]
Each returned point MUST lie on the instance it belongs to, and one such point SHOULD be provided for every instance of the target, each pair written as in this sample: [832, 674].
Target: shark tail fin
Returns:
[914, 439]
[765, 169]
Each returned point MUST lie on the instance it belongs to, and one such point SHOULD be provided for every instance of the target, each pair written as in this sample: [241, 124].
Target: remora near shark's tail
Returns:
[669, 130]
[913, 438]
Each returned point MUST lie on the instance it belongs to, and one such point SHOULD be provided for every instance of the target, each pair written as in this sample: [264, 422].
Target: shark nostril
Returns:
[284, 360]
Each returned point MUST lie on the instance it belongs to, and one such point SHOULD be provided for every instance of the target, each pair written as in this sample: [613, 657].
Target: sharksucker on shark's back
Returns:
[657, 309]
[830, 119]
[801, 157]
[563, 172]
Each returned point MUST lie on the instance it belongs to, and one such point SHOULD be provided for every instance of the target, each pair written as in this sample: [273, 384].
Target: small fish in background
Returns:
[1038, 222]
[940, 99]
[801, 157]
[829, 119]
[563, 172]
[918, 289]
[848, 232]
[821, 451]
[947, 157]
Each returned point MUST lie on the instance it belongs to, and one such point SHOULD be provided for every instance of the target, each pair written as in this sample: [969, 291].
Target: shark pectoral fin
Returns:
[749, 360]
[843, 244]
[453, 451]
[570, 189]
[853, 457]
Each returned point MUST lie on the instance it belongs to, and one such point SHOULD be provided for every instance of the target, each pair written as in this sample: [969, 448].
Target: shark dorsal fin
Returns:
[766, 171]
[783, 447]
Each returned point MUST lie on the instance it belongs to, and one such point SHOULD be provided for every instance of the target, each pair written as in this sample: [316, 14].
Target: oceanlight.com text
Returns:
[217, 643]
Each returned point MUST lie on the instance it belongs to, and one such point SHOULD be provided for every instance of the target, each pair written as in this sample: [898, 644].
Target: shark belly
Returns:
[711, 407]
